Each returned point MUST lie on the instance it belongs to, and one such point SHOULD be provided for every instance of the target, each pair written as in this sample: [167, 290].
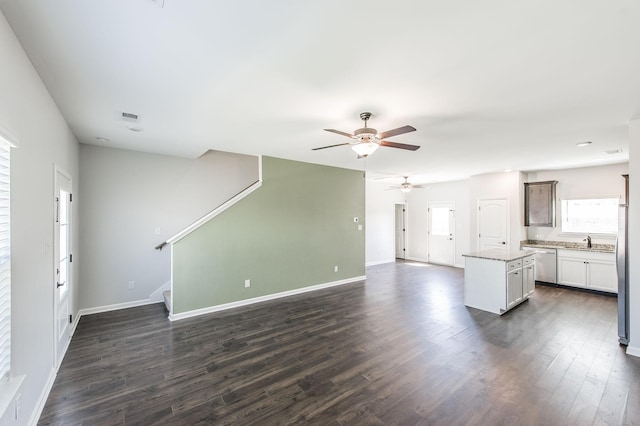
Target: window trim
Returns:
[563, 203]
[9, 385]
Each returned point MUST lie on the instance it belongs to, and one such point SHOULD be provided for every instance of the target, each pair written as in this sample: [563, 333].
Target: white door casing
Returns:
[441, 238]
[400, 231]
[493, 229]
[62, 279]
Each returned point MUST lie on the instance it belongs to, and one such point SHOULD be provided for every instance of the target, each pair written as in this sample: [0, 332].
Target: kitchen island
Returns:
[498, 280]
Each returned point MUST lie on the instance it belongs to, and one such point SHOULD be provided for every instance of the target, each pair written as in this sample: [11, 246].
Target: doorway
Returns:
[400, 231]
[493, 231]
[441, 222]
[62, 263]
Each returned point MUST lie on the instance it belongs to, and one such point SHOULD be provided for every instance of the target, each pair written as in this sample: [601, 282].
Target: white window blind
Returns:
[5, 263]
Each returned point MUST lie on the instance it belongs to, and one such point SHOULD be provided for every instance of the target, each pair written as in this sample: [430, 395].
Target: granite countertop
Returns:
[601, 248]
[499, 254]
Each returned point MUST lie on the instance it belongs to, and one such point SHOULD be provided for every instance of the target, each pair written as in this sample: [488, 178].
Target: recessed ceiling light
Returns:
[613, 151]
[586, 143]
[136, 129]
[102, 140]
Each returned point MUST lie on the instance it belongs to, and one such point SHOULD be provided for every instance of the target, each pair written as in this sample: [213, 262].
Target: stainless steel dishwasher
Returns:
[545, 264]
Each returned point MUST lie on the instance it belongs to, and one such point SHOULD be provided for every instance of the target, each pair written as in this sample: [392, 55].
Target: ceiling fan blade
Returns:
[399, 145]
[395, 132]
[339, 132]
[330, 146]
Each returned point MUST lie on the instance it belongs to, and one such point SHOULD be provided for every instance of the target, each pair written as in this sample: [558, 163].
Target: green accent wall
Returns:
[288, 234]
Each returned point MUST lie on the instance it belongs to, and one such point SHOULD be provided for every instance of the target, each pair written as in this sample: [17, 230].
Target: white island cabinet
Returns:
[588, 269]
[498, 280]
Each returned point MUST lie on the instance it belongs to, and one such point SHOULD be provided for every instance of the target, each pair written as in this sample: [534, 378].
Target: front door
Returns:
[492, 224]
[441, 230]
[62, 260]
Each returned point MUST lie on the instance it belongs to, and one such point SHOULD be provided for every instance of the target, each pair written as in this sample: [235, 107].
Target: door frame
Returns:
[57, 171]
[452, 225]
[405, 234]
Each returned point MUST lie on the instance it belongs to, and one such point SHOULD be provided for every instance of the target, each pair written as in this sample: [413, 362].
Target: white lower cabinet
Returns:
[514, 287]
[497, 286]
[591, 270]
[528, 279]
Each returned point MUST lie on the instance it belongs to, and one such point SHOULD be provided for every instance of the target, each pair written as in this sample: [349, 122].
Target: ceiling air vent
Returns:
[129, 116]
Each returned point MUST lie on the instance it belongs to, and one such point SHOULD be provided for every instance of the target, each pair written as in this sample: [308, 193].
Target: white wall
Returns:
[586, 182]
[418, 202]
[27, 110]
[131, 202]
[634, 238]
[380, 225]
[496, 186]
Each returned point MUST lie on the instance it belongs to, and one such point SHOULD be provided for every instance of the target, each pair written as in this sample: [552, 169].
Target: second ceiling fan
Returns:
[366, 140]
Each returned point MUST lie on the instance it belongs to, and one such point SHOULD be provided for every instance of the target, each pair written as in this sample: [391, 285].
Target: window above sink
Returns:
[590, 216]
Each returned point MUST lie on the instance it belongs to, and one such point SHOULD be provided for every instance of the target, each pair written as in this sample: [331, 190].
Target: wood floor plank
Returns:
[400, 348]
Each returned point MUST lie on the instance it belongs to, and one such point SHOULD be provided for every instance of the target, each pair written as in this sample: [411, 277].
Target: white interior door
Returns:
[493, 231]
[400, 230]
[62, 260]
[441, 233]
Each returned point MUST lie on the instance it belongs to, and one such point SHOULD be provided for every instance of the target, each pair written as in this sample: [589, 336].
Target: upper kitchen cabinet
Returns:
[540, 203]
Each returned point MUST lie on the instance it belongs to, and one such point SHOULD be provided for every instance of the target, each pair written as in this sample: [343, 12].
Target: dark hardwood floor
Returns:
[399, 349]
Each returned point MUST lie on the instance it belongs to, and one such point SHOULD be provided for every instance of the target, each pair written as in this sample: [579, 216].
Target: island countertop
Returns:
[499, 254]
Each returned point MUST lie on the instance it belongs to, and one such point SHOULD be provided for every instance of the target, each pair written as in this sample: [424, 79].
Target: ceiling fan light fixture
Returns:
[364, 149]
[406, 187]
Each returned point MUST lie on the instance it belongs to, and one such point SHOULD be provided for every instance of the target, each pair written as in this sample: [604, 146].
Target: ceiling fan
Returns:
[406, 186]
[366, 140]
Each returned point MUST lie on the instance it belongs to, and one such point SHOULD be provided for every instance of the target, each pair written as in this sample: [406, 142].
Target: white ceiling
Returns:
[489, 84]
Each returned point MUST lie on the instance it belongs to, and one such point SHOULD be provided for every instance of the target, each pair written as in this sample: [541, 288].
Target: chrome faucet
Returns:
[588, 240]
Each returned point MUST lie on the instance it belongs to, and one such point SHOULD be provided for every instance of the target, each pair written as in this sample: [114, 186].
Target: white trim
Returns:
[8, 392]
[633, 351]
[58, 171]
[115, 307]
[9, 136]
[245, 302]
[157, 295]
[418, 259]
[42, 400]
[204, 219]
[380, 262]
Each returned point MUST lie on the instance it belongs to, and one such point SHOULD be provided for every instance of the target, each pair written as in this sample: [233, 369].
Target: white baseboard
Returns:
[157, 295]
[42, 399]
[633, 351]
[239, 303]
[417, 259]
[115, 307]
[380, 262]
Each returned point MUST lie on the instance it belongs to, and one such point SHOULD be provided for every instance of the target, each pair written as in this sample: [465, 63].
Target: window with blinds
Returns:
[5, 263]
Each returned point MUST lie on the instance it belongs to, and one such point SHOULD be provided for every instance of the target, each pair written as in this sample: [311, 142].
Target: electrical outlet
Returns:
[132, 285]
[335, 268]
[247, 283]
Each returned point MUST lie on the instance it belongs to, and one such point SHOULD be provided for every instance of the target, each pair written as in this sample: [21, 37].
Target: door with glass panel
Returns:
[441, 233]
[62, 262]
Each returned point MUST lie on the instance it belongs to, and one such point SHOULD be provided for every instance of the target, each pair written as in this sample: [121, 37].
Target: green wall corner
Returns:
[287, 235]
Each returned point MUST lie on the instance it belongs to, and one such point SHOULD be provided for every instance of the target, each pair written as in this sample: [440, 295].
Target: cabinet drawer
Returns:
[528, 260]
[514, 264]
